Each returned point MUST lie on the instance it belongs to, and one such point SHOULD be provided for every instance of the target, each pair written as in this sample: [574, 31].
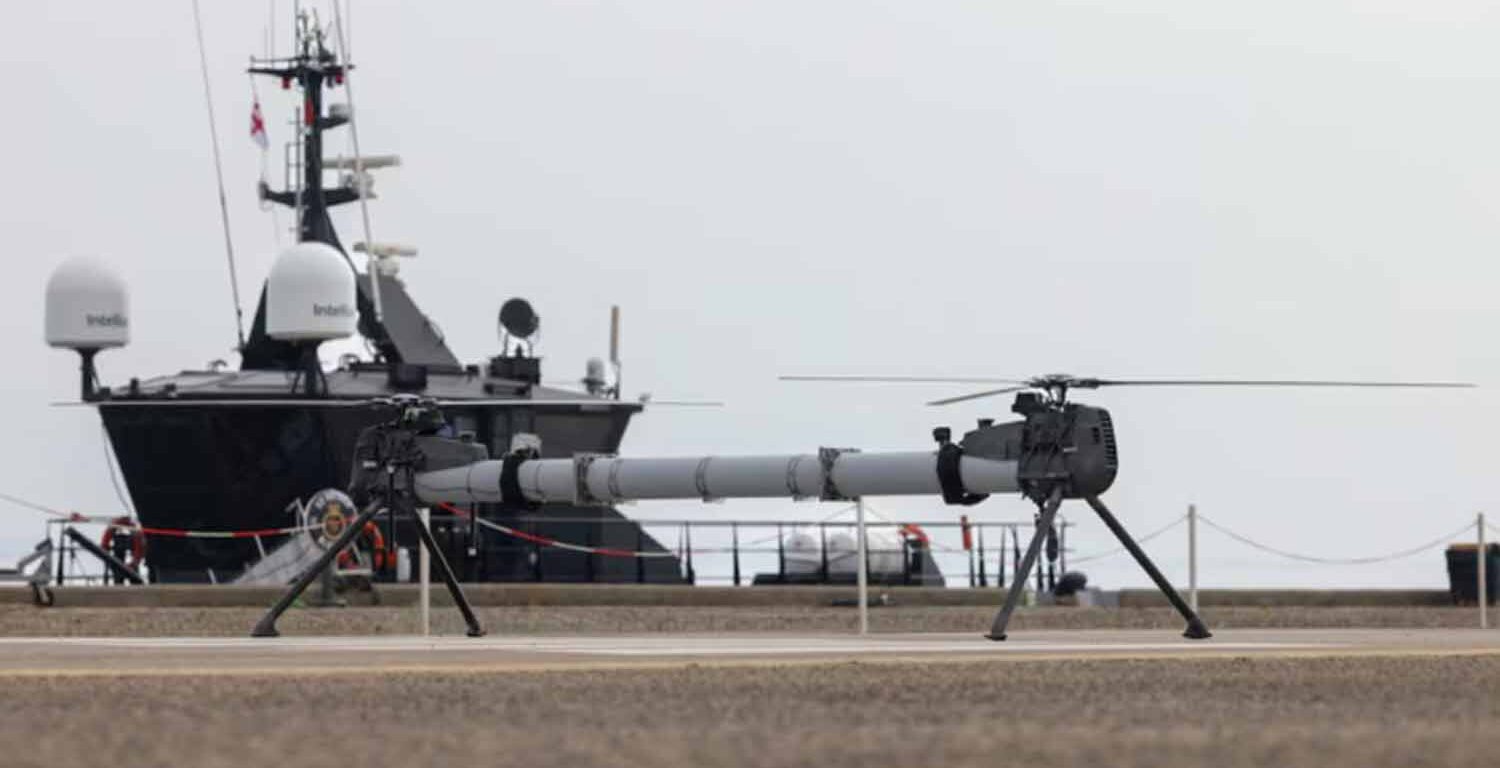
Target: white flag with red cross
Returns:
[258, 127]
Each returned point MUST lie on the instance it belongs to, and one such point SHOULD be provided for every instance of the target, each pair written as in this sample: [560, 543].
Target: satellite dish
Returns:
[519, 319]
[310, 295]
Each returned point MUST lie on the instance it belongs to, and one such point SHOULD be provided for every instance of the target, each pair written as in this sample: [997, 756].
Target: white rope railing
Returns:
[1366, 560]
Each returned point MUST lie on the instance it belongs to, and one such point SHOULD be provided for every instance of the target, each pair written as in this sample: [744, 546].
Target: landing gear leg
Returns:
[1195, 628]
[1018, 585]
[459, 599]
[266, 627]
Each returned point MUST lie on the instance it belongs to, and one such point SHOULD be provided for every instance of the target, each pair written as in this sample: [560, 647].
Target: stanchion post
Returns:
[640, 562]
[780, 555]
[984, 580]
[1193, 556]
[1062, 546]
[734, 530]
[862, 567]
[424, 572]
[823, 550]
[968, 542]
[1484, 598]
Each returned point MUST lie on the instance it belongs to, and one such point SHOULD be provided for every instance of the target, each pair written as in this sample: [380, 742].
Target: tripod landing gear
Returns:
[1196, 629]
[266, 627]
[386, 460]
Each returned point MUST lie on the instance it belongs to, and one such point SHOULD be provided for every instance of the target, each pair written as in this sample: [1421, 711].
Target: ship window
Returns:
[567, 434]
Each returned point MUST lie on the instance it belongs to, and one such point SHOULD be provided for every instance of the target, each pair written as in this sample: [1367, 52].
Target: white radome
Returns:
[310, 295]
[800, 553]
[87, 306]
[885, 550]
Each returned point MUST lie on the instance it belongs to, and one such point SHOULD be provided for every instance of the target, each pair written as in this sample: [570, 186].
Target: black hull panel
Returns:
[232, 468]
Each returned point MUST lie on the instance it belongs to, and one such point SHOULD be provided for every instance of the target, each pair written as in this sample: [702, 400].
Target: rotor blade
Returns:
[684, 403]
[977, 395]
[1086, 383]
[906, 379]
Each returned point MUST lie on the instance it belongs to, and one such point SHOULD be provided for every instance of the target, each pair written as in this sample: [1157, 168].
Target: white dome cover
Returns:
[310, 295]
[884, 548]
[800, 553]
[87, 306]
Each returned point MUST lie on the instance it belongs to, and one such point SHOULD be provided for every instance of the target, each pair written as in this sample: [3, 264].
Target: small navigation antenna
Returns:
[600, 378]
[614, 346]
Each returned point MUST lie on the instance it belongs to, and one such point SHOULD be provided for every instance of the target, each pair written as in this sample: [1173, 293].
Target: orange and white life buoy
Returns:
[137, 540]
[374, 541]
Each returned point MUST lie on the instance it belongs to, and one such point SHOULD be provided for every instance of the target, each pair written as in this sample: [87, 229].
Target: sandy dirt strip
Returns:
[1425, 702]
[769, 686]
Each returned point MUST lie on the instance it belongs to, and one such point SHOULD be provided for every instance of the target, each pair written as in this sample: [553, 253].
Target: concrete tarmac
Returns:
[306, 656]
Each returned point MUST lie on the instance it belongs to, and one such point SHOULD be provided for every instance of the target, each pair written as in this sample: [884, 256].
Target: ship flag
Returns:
[258, 127]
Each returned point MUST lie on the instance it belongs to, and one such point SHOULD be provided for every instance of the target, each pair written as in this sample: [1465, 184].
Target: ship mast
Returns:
[311, 68]
[405, 336]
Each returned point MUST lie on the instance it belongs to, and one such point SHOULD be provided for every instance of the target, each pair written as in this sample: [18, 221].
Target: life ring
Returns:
[376, 540]
[137, 540]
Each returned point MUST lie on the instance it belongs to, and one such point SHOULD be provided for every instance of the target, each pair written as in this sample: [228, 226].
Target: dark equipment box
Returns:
[1463, 573]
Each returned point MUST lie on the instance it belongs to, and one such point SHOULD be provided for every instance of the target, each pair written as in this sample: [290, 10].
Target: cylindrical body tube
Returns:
[607, 479]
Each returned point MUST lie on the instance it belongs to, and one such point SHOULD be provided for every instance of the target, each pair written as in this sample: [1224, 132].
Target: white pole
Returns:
[424, 517]
[1193, 556]
[1484, 598]
[862, 577]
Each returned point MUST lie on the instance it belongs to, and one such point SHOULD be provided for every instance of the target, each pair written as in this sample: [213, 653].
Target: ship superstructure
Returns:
[235, 450]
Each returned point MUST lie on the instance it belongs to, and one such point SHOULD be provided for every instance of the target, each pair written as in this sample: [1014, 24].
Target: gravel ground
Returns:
[25, 620]
[1159, 713]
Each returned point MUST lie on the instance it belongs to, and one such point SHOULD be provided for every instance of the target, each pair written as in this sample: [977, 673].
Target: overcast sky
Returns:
[1277, 189]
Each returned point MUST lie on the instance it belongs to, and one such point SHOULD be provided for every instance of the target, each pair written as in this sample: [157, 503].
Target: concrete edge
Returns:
[539, 595]
[1299, 598]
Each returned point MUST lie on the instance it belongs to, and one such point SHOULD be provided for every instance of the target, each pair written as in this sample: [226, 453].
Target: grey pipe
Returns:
[608, 479]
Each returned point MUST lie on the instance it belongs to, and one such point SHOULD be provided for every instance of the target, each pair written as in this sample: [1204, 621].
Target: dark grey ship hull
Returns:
[242, 468]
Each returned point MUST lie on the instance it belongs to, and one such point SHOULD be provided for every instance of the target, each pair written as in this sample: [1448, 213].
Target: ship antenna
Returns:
[359, 163]
[213, 135]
